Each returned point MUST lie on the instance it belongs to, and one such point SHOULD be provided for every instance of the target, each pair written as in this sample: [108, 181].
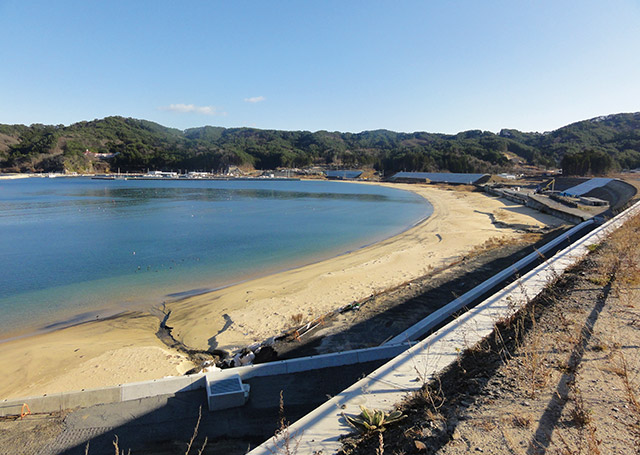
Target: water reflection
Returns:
[84, 243]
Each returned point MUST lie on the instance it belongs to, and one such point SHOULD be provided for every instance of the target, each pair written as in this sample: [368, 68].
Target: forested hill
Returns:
[592, 146]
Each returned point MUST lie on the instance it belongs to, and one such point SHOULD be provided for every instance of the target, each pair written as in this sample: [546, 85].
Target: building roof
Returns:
[343, 174]
[587, 186]
[439, 177]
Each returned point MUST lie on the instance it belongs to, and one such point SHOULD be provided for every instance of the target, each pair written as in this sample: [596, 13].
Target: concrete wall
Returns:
[83, 398]
[536, 204]
[562, 214]
[321, 430]
[176, 384]
[314, 362]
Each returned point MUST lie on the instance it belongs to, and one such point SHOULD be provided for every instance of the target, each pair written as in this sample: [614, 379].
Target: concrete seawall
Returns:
[573, 216]
[124, 392]
[177, 384]
[320, 431]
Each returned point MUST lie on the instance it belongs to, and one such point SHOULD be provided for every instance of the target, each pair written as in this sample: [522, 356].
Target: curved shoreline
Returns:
[110, 306]
[267, 306]
[125, 348]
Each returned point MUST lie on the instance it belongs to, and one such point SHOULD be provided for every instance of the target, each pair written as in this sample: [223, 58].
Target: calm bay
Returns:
[73, 249]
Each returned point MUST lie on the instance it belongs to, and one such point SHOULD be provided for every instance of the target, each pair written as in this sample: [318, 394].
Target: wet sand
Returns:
[125, 348]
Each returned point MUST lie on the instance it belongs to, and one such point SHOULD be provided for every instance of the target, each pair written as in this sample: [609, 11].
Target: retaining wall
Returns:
[122, 392]
[320, 431]
[177, 384]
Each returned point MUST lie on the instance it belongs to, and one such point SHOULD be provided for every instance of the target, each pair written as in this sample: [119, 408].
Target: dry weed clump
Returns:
[631, 391]
[580, 415]
[622, 256]
[284, 441]
[530, 344]
[521, 421]
[297, 318]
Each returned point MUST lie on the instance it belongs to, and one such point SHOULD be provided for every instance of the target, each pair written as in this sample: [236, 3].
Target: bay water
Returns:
[73, 249]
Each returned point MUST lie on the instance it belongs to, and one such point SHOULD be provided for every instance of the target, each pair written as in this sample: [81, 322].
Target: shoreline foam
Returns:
[125, 348]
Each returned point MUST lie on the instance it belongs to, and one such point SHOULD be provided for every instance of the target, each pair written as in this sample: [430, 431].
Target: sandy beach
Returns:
[125, 348]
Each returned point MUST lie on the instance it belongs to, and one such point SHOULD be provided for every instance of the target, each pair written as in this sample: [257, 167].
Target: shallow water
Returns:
[76, 247]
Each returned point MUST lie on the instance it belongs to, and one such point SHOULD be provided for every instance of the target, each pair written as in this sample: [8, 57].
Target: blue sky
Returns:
[431, 65]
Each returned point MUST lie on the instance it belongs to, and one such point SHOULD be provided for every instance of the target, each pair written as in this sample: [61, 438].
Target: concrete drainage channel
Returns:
[320, 430]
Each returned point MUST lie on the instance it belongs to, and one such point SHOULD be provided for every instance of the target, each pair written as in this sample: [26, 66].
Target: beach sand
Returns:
[254, 311]
[125, 348]
[94, 354]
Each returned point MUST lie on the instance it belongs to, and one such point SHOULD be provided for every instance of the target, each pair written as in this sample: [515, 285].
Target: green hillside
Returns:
[592, 146]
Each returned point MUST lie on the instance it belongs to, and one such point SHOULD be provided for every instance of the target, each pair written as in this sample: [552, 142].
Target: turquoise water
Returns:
[74, 248]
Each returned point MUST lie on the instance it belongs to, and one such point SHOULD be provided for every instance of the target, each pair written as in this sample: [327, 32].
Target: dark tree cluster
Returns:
[593, 146]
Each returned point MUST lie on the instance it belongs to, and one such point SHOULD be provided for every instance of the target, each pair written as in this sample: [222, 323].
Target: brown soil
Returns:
[6, 141]
[562, 377]
[34, 433]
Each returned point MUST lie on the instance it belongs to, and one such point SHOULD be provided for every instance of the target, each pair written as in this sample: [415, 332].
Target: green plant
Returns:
[371, 420]
[593, 247]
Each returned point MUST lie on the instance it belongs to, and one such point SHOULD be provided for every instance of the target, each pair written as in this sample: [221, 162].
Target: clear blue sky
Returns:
[430, 65]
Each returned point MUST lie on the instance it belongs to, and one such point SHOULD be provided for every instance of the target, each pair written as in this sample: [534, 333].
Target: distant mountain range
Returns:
[593, 146]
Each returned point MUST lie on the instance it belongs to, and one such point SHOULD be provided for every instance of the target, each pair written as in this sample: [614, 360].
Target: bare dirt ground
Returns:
[33, 434]
[562, 377]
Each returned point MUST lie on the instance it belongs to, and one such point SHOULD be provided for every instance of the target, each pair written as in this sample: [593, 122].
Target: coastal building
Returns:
[439, 177]
[162, 174]
[342, 174]
[100, 156]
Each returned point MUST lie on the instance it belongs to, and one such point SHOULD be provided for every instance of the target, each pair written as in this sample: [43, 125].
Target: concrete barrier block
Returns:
[164, 386]
[263, 369]
[381, 353]
[85, 398]
[14, 407]
[9, 408]
[198, 381]
[336, 360]
[321, 361]
[45, 403]
[298, 365]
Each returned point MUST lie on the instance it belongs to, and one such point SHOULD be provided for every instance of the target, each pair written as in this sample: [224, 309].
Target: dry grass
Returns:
[531, 342]
[580, 415]
[118, 451]
[521, 421]
[500, 242]
[297, 318]
[284, 441]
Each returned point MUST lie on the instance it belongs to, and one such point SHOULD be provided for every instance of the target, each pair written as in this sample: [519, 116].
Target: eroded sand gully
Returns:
[126, 349]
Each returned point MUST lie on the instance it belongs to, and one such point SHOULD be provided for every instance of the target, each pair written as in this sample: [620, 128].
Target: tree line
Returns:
[595, 146]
